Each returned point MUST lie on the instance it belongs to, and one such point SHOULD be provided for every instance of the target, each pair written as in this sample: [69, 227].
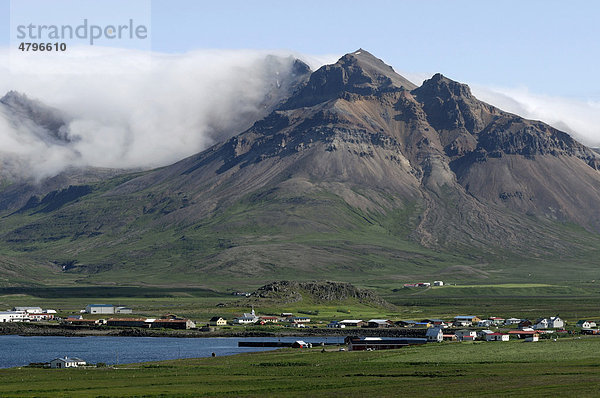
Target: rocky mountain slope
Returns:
[358, 174]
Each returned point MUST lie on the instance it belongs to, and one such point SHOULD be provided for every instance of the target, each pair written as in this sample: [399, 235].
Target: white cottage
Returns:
[66, 362]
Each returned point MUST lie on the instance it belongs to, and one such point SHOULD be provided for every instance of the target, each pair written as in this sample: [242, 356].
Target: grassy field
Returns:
[570, 301]
[547, 368]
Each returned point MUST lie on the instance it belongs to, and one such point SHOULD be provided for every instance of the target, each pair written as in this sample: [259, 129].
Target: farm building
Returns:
[29, 310]
[584, 324]
[130, 322]
[66, 362]
[100, 309]
[379, 343]
[406, 324]
[81, 321]
[438, 283]
[465, 320]
[521, 334]
[13, 316]
[217, 321]
[352, 322]
[497, 337]
[271, 319]
[549, 323]
[525, 323]
[173, 323]
[379, 323]
[299, 319]
[465, 335]
[40, 316]
[434, 322]
[336, 325]
[512, 321]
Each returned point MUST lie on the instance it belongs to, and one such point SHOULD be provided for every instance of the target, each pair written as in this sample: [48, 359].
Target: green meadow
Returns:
[572, 301]
[547, 368]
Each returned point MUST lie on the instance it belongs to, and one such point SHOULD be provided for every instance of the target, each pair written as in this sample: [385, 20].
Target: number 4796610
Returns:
[43, 46]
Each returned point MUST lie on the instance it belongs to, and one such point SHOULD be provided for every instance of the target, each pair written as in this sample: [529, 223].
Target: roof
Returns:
[351, 321]
[378, 320]
[469, 317]
[523, 332]
[170, 321]
[127, 319]
[67, 359]
[496, 334]
[100, 305]
[216, 318]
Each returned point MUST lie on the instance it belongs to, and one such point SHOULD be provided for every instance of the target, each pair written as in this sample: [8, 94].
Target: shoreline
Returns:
[42, 329]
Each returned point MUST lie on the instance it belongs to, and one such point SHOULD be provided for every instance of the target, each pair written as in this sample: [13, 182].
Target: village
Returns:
[358, 334]
[460, 328]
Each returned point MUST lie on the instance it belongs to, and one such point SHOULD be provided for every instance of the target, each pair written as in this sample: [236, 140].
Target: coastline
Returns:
[43, 329]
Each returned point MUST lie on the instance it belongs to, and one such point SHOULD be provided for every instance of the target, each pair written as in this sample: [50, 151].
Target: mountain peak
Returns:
[51, 123]
[440, 86]
[13, 98]
[358, 72]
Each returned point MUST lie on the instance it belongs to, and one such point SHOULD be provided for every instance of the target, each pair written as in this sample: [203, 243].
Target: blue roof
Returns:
[100, 305]
[464, 317]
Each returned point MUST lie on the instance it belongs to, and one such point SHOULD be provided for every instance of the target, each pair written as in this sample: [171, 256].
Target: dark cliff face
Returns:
[51, 123]
[358, 73]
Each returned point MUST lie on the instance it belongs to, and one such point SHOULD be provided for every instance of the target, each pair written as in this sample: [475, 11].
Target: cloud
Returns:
[581, 119]
[133, 109]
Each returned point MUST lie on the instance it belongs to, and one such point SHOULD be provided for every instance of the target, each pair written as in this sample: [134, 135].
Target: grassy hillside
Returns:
[264, 236]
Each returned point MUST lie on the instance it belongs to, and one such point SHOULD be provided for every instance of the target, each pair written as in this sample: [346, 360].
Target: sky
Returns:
[550, 47]
[534, 58]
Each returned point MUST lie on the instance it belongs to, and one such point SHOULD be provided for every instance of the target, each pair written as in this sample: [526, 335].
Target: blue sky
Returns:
[551, 47]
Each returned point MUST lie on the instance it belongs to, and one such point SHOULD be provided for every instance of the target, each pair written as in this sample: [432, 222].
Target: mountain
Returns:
[359, 175]
[33, 124]
[49, 124]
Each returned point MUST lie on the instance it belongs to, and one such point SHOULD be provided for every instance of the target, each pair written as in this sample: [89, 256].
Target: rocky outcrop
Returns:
[316, 291]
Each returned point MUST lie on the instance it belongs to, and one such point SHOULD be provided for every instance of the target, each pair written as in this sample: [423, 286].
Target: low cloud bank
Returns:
[127, 109]
[581, 119]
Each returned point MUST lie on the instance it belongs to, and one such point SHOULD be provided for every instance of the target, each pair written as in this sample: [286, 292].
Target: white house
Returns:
[66, 362]
[486, 323]
[438, 283]
[14, 316]
[586, 324]
[549, 323]
[434, 334]
[465, 334]
[496, 337]
[482, 333]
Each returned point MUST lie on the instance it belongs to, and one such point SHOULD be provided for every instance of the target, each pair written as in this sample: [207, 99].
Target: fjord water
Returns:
[22, 350]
